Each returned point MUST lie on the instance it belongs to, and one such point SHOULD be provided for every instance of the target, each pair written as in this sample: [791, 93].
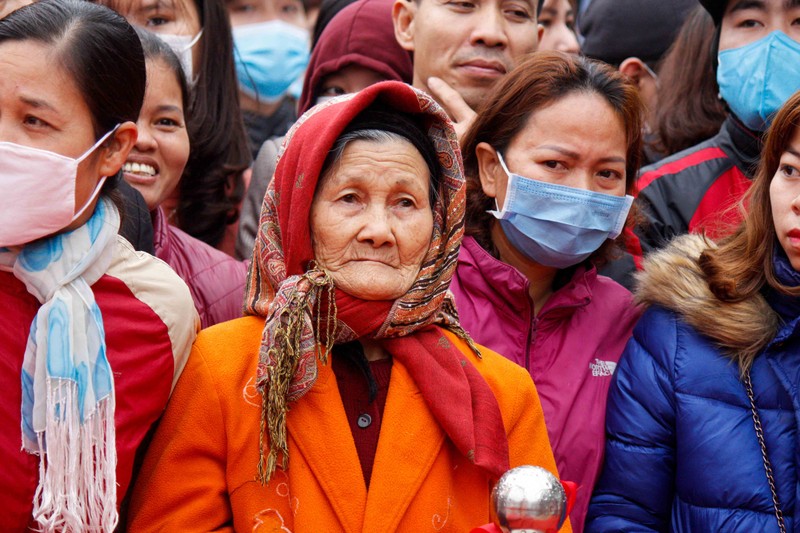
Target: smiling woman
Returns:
[155, 167]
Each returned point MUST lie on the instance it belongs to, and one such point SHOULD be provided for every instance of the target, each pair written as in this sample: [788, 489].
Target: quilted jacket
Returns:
[682, 452]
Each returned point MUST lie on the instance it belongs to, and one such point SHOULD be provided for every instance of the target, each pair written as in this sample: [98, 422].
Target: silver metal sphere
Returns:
[529, 499]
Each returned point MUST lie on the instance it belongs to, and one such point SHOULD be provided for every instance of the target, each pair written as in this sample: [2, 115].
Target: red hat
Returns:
[360, 34]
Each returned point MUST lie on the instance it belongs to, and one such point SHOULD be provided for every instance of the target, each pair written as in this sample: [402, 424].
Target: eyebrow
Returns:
[170, 108]
[574, 155]
[38, 104]
[156, 5]
[793, 152]
[741, 5]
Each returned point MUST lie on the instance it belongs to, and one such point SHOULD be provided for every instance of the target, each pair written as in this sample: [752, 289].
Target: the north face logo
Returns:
[602, 368]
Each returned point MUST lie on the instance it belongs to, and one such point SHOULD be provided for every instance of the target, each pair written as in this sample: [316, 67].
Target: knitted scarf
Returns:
[306, 314]
[67, 384]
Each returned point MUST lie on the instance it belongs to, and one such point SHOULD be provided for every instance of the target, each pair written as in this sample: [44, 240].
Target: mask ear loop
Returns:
[510, 178]
[194, 40]
[100, 182]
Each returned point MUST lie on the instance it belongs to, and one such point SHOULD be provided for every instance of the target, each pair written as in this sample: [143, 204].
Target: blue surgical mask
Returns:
[271, 58]
[555, 225]
[755, 80]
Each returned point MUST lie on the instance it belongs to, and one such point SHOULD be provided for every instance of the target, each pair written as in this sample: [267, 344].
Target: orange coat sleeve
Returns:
[182, 484]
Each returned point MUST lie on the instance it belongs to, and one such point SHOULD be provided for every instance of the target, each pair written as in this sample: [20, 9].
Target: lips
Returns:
[484, 67]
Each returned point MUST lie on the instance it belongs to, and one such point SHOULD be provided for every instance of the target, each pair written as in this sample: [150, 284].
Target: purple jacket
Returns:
[571, 350]
[215, 279]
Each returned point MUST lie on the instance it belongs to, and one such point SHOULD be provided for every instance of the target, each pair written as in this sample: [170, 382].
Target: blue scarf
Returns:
[67, 384]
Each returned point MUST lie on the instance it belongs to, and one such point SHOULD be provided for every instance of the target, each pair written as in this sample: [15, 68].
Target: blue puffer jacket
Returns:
[682, 453]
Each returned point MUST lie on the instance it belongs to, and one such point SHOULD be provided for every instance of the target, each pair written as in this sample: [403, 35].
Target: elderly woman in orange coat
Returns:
[350, 399]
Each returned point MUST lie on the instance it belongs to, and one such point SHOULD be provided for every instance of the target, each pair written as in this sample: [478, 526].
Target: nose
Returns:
[489, 29]
[376, 229]
[145, 141]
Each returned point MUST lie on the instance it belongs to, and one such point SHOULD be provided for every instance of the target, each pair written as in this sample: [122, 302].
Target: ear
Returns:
[403, 14]
[116, 149]
[489, 169]
[539, 32]
[634, 69]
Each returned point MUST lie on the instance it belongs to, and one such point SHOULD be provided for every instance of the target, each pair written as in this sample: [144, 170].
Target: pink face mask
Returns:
[38, 197]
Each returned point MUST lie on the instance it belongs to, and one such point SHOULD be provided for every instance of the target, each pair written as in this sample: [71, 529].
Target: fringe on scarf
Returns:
[75, 460]
[284, 355]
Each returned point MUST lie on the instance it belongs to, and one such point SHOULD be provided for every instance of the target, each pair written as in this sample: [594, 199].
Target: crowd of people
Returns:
[290, 265]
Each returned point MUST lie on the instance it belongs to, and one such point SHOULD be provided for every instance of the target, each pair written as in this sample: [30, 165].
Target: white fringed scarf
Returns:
[67, 384]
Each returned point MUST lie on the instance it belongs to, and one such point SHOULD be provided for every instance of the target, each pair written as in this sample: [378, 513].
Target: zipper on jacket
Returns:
[531, 338]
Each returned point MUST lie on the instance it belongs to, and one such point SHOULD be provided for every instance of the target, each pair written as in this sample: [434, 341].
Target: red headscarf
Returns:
[360, 34]
[304, 309]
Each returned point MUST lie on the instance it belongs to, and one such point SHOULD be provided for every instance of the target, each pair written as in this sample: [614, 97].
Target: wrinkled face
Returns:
[577, 141]
[155, 165]
[42, 107]
[350, 79]
[558, 19]
[371, 219]
[784, 195]
[747, 21]
[469, 44]
[254, 11]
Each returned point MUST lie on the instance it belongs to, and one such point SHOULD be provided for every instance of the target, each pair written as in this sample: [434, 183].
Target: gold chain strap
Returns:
[748, 385]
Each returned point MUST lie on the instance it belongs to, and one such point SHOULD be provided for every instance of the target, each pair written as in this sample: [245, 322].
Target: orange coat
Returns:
[199, 474]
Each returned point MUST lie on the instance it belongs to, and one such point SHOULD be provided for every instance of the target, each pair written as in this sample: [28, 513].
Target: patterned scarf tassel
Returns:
[285, 354]
[75, 462]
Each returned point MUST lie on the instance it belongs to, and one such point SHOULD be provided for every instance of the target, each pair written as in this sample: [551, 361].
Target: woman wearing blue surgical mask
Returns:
[271, 51]
[93, 334]
[550, 162]
[206, 206]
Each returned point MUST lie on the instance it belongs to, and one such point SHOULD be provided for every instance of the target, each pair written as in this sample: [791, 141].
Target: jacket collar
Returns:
[161, 240]
[409, 442]
[740, 144]
[673, 279]
[512, 286]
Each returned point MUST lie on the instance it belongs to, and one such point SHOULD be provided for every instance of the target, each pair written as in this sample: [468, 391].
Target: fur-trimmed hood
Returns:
[673, 279]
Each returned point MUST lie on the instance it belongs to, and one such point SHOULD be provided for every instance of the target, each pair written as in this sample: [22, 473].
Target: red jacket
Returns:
[570, 349]
[150, 325]
[215, 279]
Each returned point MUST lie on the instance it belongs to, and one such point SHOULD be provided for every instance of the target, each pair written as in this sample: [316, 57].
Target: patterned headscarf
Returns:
[306, 314]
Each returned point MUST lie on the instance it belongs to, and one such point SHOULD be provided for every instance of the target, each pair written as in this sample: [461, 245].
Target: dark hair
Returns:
[379, 124]
[327, 10]
[156, 49]
[543, 78]
[99, 50]
[689, 110]
[212, 185]
[97, 47]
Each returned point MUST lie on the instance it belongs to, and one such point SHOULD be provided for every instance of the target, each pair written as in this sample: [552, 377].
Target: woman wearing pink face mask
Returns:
[92, 334]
